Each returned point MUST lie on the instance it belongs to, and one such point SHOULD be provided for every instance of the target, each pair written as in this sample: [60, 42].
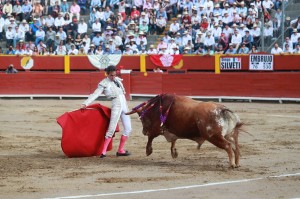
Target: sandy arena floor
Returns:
[32, 164]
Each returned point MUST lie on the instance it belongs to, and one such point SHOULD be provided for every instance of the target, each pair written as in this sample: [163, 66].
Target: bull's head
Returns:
[149, 115]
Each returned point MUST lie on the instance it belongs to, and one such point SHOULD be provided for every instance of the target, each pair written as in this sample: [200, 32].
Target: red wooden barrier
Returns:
[189, 63]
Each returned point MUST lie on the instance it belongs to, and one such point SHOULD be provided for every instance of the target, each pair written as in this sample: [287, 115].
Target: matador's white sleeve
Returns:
[94, 95]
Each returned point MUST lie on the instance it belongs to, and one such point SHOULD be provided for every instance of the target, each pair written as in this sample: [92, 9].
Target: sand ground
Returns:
[32, 164]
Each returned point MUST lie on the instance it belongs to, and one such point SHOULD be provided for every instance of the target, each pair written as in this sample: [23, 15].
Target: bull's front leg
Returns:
[149, 146]
[174, 150]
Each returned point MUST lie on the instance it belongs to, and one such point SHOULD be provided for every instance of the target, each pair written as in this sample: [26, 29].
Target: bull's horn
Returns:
[131, 112]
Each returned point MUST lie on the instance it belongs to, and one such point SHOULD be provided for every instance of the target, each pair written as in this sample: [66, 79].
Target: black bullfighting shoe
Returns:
[123, 154]
[102, 156]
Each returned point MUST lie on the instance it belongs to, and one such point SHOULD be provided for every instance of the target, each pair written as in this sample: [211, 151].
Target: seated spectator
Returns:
[72, 50]
[59, 22]
[253, 50]
[87, 40]
[24, 27]
[35, 51]
[50, 37]
[10, 51]
[127, 50]
[243, 49]
[78, 42]
[21, 45]
[37, 9]
[144, 27]
[10, 34]
[276, 50]
[187, 50]
[151, 50]
[10, 69]
[40, 35]
[28, 51]
[75, 10]
[219, 49]
[248, 39]
[64, 7]
[199, 51]
[18, 35]
[51, 51]
[82, 28]
[289, 42]
[72, 28]
[82, 4]
[209, 41]
[160, 25]
[56, 41]
[81, 51]
[41, 45]
[49, 21]
[7, 9]
[17, 11]
[287, 49]
[294, 37]
[231, 50]
[236, 39]
[55, 10]
[62, 34]
[209, 51]
[26, 10]
[297, 49]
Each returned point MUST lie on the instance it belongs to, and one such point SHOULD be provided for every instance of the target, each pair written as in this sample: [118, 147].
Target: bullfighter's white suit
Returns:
[115, 91]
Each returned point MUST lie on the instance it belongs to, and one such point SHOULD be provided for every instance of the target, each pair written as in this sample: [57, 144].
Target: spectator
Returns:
[297, 49]
[209, 51]
[87, 40]
[231, 50]
[50, 37]
[64, 7]
[55, 9]
[73, 50]
[62, 34]
[82, 28]
[10, 34]
[49, 21]
[60, 50]
[294, 37]
[127, 50]
[289, 42]
[78, 42]
[24, 27]
[7, 9]
[17, 11]
[35, 51]
[82, 4]
[18, 35]
[248, 39]
[236, 39]
[75, 10]
[28, 51]
[72, 28]
[199, 51]
[253, 50]
[10, 69]
[40, 35]
[40, 46]
[26, 10]
[243, 49]
[209, 41]
[287, 49]
[37, 9]
[10, 51]
[276, 50]
[35, 25]
[151, 50]
[94, 4]
[59, 22]
[220, 49]
[99, 50]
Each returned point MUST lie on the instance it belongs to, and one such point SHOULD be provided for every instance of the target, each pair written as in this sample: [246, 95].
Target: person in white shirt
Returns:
[209, 41]
[59, 21]
[174, 27]
[294, 37]
[96, 27]
[287, 49]
[236, 39]
[82, 28]
[24, 27]
[268, 4]
[49, 21]
[174, 50]
[289, 42]
[19, 35]
[152, 50]
[255, 32]
[10, 34]
[73, 50]
[186, 37]
[268, 34]
[276, 50]
[216, 31]
[127, 50]
[297, 49]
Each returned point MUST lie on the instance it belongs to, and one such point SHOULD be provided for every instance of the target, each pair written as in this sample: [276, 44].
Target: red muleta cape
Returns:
[83, 131]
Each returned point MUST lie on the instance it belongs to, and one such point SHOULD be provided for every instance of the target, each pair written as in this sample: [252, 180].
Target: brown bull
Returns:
[177, 117]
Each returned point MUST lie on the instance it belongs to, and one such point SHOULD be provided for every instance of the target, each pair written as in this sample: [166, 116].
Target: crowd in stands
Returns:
[203, 27]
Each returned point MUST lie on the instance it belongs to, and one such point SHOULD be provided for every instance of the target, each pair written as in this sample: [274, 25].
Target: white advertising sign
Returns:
[261, 62]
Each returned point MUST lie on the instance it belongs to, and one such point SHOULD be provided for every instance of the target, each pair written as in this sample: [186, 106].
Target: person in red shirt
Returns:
[204, 24]
[135, 13]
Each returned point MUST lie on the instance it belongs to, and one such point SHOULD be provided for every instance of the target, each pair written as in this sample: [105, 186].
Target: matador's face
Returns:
[112, 75]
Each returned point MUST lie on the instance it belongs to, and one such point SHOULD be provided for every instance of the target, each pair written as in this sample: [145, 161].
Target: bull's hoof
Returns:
[174, 153]
[149, 151]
